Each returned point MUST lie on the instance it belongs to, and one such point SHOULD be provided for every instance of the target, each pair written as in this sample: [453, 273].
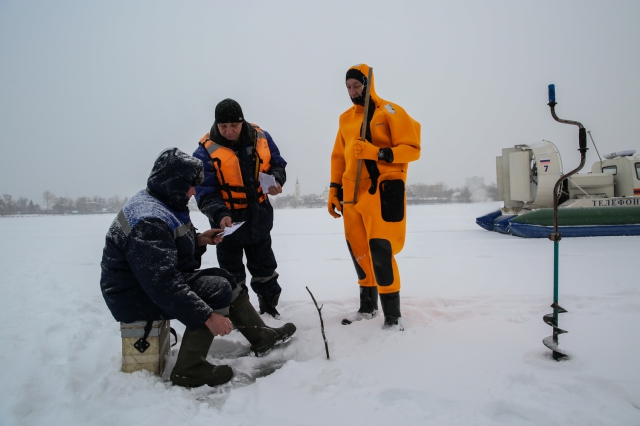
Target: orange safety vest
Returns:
[227, 168]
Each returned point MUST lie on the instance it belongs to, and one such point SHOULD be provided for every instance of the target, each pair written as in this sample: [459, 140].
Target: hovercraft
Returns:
[604, 202]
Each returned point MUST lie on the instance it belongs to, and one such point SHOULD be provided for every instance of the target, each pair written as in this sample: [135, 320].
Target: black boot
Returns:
[369, 301]
[391, 308]
[269, 306]
[262, 337]
[368, 305]
[192, 368]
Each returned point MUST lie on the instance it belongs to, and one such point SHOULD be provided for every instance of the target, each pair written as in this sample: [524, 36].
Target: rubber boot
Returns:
[391, 307]
[369, 301]
[192, 368]
[269, 306]
[368, 305]
[262, 337]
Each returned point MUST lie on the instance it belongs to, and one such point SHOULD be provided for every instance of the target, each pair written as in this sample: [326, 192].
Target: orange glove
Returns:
[335, 196]
[365, 151]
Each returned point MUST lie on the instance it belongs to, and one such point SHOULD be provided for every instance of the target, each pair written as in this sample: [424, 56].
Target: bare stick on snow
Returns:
[326, 345]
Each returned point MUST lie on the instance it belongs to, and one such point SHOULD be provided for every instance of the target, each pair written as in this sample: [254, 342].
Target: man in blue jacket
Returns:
[149, 272]
[236, 154]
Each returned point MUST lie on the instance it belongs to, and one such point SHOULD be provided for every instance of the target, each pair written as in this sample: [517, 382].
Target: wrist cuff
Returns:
[385, 154]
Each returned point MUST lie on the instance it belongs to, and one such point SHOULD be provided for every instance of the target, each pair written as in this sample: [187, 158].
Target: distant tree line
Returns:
[438, 193]
[10, 206]
[305, 201]
[419, 193]
[60, 205]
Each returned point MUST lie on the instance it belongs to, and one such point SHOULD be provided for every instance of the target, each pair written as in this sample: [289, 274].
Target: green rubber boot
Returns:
[192, 368]
[262, 337]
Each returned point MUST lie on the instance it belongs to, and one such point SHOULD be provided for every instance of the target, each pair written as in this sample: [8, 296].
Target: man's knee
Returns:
[382, 257]
[215, 290]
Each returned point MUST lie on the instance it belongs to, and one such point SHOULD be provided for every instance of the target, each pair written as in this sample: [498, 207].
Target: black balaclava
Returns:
[357, 74]
[173, 173]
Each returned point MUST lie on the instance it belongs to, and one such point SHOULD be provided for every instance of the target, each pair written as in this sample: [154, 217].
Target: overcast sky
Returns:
[92, 91]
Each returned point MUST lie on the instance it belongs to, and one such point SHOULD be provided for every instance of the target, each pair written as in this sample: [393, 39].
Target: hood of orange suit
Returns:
[364, 69]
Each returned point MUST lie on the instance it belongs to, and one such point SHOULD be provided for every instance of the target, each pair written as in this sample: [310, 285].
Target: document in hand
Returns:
[266, 182]
[230, 230]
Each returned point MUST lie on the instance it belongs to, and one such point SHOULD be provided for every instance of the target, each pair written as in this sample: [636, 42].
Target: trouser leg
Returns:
[229, 254]
[357, 244]
[262, 265]
[384, 219]
[384, 240]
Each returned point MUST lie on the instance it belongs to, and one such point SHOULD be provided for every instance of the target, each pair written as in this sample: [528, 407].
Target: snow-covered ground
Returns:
[471, 353]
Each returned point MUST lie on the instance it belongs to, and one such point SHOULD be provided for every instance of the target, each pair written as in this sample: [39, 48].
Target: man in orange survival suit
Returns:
[374, 226]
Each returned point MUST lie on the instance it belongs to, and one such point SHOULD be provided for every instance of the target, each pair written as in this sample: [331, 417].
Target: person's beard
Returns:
[359, 100]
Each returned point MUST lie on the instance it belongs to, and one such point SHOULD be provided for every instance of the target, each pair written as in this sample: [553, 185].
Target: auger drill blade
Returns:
[551, 342]
[550, 320]
[558, 353]
[560, 309]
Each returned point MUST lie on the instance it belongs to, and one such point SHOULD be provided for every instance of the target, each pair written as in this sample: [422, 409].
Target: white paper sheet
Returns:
[266, 182]
[230, 230]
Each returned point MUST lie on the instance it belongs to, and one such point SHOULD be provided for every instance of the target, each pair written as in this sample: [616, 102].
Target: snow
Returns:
[471, 353]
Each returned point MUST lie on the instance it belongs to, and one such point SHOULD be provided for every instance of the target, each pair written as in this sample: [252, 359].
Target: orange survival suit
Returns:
[375, 226]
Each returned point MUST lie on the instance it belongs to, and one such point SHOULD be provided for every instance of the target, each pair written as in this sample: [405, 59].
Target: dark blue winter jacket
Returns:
[151, 249]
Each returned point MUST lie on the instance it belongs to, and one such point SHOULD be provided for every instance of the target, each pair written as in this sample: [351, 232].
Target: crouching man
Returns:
[149, 272]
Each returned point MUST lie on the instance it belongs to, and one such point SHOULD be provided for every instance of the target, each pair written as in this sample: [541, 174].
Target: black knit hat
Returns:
[357, 74]
[229, 111]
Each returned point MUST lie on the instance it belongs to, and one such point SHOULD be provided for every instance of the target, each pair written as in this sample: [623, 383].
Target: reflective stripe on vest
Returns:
[227, 168]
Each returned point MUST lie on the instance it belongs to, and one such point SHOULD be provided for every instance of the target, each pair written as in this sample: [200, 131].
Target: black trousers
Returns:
[261, 262]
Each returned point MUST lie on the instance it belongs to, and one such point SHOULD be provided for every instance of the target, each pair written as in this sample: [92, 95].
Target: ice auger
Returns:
[551, 342]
